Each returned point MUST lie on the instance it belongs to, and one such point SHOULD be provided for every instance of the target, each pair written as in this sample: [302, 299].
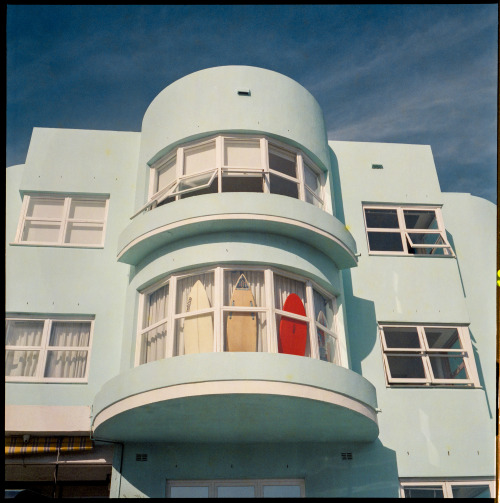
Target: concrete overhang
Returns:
[236, 397]
[237, 212]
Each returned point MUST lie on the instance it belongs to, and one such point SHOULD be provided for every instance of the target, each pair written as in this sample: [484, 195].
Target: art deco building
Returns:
[152, 348]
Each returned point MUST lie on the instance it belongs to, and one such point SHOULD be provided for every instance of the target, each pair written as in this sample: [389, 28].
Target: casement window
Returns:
[405, 230]
[235, 163]
[60, 220]
[168, 311]
[463, 488]
[244, 488]
[47, 349]
[428, 355]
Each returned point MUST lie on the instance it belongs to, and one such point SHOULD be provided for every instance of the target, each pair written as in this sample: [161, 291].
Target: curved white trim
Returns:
[234, 216]
[232, 387]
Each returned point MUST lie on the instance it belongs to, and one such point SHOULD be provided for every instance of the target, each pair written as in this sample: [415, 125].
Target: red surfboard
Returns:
[293, 333]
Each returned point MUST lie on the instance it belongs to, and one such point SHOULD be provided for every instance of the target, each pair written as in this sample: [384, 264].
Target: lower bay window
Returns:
[462, 488]
[47, 349]
[236, 309]
[428, 355]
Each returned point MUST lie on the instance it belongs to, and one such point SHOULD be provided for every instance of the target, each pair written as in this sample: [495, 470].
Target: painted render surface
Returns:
[438, 432]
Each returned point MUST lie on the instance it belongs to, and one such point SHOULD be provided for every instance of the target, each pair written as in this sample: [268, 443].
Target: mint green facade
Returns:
[260, 415]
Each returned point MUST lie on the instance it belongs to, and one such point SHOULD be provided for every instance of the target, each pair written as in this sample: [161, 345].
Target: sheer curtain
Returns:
[22, 333]
[153, 342]
[184, 287]
[256, 282]
[68, 362]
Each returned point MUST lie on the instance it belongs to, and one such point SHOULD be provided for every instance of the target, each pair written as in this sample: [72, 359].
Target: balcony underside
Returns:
[236, 397]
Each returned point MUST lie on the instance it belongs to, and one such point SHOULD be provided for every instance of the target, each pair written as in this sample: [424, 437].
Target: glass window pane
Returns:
[39, 207]
[189, 492]
[156, 306]
[66, 364]
[41, 232]
[381, 219]
[420, 219]
[385, 241]
[323, 310]
[87, 209]
[312, 200]
[243, 183]
[194, 334]
[401, 337]
[424, 492]
[406, 367]
[283, 287]
[236, 492]
[312, 180]
[279, 491]
[283, 161]
[23, 333]
[253, 280]
[153, 344]
[70, 333]
[185, 301]
[327, 345]
[166, 174]
[472, 491]
[242, 153]
[448, 367]
[284, 187]
[245, 332]
[443, 338]
[193, 182]
[21, 363]
[201, 158]
[83, 234]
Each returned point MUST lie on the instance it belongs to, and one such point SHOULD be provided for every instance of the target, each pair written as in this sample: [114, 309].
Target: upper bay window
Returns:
[406, 230]
[239, 309]
[60, 220]
[235, 163]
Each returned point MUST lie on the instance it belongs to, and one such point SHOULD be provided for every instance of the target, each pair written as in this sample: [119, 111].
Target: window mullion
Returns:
[272, 332]
[179, 167]
[64, 219]
[300, 175]
[24, 211]
[219, 159]
[140, 322]
[172, 294]
[218, 302]
[402, 229]
[42, 360]
[264, 157]
[313, 338]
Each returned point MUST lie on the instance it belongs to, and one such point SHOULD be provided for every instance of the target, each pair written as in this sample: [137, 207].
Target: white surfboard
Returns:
[198, 330]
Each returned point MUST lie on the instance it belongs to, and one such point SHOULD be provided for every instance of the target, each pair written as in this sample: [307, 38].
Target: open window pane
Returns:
[424, 492]
[381, 218]
[472, 491]
[443, 338]
[87, 209]
[39, 207]
[201, 158]
[406, 367]
[426, 243]
[66, 364]
[41, 232]
[83, 234]
[420, 219]
[401, 337]
[448, 367]
[21, 363]
[242, 153]
[385, 241]
[23, 333]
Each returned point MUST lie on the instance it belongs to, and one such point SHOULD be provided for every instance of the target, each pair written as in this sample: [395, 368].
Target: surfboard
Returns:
[241, 329]
[322, 346]
[293, 333]
[198, 330]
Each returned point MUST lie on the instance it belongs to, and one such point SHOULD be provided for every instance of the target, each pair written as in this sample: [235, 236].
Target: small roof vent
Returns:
[244, 92]
[346, 456]
[377, 166]
[141, 457]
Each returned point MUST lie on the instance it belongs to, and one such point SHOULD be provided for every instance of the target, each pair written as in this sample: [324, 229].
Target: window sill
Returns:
[53, 245]
[397, 254]
[46, 381]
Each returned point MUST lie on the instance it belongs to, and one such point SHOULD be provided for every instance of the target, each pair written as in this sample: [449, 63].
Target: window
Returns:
[235, 308]
[235, 163]
[59, 220]
[411, 230]
[51, 350]
[447, 489]
[428, 355]
[280, 488]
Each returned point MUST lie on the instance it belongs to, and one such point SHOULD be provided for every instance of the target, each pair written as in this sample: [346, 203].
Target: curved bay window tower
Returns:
[235, 221]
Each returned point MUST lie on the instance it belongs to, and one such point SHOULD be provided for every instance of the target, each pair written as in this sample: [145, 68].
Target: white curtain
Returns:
[68, 363]
[184, 287]
[22, 333]
[153, 343]
[256, 282]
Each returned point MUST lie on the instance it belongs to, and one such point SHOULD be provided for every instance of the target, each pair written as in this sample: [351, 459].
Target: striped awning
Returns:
[47, 445]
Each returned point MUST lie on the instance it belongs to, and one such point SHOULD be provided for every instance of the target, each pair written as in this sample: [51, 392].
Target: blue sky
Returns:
[421, 74]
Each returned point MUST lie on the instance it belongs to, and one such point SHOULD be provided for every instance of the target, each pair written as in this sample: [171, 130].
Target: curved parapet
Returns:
[232, 212]
[236, 397]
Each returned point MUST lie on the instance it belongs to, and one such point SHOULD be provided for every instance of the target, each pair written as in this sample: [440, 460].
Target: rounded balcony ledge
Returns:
[241, 212]
[236, 397]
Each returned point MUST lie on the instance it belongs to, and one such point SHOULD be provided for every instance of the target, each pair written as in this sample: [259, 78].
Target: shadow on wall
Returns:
[335, 187]
[328, 469]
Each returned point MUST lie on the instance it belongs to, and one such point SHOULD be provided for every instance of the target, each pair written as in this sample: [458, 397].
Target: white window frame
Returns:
[218, 309]
[44, 348]
[424, 353]
[63, 221]
[156, 197]
[258, 484]
[404, 232]
[446, 485]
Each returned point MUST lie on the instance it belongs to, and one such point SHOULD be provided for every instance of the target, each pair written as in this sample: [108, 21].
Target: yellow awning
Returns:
[41, 445]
